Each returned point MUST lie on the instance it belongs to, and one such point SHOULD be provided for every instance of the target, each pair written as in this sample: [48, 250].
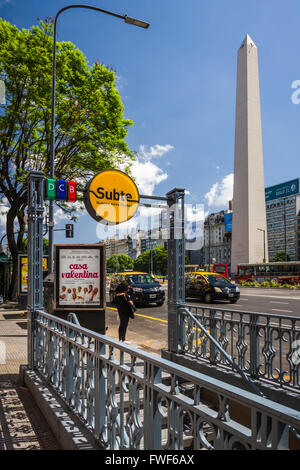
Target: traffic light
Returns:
[69, 230]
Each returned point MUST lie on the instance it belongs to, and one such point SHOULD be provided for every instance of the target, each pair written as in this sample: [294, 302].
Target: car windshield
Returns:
[140, 279]
[217, 280]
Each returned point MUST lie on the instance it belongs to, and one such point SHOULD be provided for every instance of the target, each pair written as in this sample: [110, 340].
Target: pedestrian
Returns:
[125, 308]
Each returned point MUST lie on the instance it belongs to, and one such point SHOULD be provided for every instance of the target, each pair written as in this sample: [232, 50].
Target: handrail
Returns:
[72, 318]
[224, 353]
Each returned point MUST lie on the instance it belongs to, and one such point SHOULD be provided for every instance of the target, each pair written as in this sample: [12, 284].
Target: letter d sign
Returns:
[50, 189]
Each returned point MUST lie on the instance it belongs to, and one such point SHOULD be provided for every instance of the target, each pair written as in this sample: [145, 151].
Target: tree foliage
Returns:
[119, 263]
[90, 126]
[280, 256]
[156, 258]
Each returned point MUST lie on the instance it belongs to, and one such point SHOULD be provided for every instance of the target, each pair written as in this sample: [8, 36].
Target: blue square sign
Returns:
[61, 190]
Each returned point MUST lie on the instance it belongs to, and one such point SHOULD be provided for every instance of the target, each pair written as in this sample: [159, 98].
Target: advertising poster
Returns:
[289, 188]
[78, 277]
[228, 222]
[23, 272]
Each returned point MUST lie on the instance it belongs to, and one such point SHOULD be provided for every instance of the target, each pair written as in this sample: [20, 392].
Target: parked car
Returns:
[142, 288]
[210, 286]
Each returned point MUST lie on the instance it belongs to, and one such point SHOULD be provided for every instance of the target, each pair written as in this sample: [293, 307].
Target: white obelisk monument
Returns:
[249, 231]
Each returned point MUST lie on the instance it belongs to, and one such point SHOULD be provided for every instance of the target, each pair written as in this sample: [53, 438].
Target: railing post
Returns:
[214, 334]
[153, 418]
[254, 345]
[35, 197]
[100, 391]
[176, 262]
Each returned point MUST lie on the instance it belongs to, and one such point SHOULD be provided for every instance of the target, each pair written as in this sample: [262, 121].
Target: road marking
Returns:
[144, 316]
[278, 310]
[286, 303]
[291, 297]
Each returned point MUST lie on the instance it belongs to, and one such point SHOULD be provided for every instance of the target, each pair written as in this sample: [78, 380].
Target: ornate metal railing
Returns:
[264, 346]
[130, 399]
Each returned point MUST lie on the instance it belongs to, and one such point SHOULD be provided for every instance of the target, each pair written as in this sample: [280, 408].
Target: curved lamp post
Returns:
[128, 20]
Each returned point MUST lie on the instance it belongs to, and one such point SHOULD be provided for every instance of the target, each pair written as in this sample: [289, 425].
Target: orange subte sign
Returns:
[111, 197]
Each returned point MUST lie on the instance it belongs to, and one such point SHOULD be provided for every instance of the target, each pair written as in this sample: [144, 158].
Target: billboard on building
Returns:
[228, 222]
[79, 276]
[288, 188]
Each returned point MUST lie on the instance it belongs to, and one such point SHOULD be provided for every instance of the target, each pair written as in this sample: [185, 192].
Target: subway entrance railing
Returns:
[264, 346]
[130, 399]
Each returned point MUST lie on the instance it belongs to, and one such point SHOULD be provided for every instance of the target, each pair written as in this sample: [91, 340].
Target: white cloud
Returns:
[156, 151]
[147, 175]
[220, 193]
[61, 216]
[218, 167]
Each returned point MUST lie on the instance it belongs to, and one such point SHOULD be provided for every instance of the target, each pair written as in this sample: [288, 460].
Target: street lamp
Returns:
[262, 230]
[128, 20]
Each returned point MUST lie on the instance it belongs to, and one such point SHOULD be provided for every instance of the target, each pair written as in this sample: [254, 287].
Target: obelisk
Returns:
[249, 208]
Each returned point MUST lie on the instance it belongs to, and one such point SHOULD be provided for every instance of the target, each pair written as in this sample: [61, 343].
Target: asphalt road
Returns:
[149, 329]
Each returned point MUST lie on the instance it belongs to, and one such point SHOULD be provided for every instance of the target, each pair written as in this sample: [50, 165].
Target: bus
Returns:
[217, 268]
[211, 268]
[280, 272]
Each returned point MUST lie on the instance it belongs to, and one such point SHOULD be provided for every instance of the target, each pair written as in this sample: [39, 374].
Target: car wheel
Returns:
[234, 301]
[159, 304]
[207, 298]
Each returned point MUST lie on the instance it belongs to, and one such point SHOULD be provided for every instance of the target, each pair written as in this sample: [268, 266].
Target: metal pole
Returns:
[176, 258]
[264, 233]
[127, 20]
[284, 229]
[35, 192]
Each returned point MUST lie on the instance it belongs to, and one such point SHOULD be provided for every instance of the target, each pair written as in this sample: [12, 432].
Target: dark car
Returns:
[210, 286]
[142, 288]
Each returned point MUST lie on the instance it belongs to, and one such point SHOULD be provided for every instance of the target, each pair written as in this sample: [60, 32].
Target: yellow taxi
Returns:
[210, 286]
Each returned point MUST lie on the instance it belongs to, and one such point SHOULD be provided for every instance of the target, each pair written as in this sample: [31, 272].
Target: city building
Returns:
[249, 210]
[217, 238]
[283, 219]
[134, 246]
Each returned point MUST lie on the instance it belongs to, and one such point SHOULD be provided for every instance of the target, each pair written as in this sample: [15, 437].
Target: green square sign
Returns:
[50, 189]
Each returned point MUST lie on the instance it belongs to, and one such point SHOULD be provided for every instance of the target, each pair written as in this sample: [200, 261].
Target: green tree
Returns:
[159, 261]
[280, 256]
[90, 125]
[119, 263]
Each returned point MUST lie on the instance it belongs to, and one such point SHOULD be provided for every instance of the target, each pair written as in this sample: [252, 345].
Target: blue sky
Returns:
[177, 81]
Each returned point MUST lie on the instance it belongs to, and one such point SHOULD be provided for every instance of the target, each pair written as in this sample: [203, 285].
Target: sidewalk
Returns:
[22, 426]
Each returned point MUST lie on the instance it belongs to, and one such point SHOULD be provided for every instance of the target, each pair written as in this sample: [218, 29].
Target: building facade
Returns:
[283, 219]
[217, 239]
